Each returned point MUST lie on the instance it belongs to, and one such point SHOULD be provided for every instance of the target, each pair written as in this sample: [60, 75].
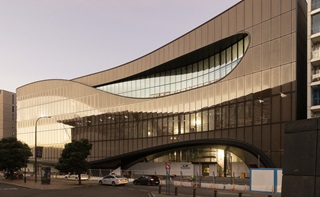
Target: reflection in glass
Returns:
[183, 78]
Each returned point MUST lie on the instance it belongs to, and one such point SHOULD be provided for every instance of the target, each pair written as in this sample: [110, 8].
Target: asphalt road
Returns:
[92, 191]
[95, 190]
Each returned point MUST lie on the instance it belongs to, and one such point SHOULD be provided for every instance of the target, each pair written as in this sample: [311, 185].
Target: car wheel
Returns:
[135, 183]
[113, 183]
[149, 183]
[100, 182]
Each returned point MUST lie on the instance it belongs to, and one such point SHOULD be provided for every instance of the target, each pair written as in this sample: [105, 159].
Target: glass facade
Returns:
[315, 23]
[185, 77]
[315, 4]
[316, 95]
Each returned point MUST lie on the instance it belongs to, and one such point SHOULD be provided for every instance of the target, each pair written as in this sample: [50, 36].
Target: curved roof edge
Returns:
[158, 49]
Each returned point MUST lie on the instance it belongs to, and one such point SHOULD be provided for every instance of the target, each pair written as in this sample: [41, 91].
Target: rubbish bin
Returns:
[45, 175]
[243, 175]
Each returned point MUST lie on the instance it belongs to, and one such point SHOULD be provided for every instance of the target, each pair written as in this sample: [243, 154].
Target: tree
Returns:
[14, 155]
[73, 158]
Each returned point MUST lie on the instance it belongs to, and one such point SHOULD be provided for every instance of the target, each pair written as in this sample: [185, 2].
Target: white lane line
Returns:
[13, 188]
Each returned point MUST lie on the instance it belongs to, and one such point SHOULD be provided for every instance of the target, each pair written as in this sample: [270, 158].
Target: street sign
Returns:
[167, 165]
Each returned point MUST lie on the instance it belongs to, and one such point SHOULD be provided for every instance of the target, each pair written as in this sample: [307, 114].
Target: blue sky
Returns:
[65, 39]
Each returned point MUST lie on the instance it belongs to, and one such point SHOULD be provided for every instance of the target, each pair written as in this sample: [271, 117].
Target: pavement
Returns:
[55, 183]
[61, 183]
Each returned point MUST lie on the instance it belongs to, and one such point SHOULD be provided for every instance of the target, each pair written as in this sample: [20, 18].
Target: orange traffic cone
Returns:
[212, 187]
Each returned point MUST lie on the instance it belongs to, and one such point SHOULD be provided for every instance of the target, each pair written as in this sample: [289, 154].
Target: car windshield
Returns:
[119, 176]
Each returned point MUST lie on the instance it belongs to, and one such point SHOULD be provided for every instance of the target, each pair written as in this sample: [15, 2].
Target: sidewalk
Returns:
[205, 192]
[55, 183]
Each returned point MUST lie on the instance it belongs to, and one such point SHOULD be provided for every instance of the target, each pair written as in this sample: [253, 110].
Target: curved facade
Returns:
[231, 83]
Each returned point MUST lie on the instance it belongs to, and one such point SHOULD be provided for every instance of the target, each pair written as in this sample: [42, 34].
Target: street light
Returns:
[35, 148]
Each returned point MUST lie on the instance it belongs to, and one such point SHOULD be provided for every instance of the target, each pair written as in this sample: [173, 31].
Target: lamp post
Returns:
[35, 148]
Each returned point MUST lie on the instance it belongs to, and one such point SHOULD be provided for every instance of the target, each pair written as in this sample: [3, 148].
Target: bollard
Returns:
[215, 193]
[194, 192]
[240, 194]
[176, 191]
[159, 189]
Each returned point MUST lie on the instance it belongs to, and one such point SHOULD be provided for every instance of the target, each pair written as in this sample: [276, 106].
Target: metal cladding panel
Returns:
[257, 11]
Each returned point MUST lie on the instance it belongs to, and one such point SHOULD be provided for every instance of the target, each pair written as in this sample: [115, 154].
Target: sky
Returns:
[66, 39]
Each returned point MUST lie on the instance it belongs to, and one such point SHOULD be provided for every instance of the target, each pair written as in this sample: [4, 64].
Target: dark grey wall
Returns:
[301, 168]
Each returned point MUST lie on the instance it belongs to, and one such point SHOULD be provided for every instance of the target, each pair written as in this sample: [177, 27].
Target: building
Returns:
[216, 98]
[8, 114]
[313, 58]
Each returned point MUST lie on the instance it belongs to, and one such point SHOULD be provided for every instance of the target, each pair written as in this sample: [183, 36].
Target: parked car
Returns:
[147, 180]
[113, 180]
[84, 177]
[13, 175]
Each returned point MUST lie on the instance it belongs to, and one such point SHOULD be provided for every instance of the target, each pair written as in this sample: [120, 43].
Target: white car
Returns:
[84, 177]
[113, 180]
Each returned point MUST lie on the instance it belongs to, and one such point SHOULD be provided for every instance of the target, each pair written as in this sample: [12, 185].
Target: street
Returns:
[93, 189]
[7, 190]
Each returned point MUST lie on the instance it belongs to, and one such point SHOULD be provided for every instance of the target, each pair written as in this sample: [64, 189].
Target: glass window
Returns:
[233, 116]
[266, 111]
[315, 95]
[172, 88]
[194, 82]
[198, 122]
[151, 81]
[217, 67]
[205, 120]
[211, 63]
[315, 4]
[246, 42]
[162, 79]
[178, 86]
[240, 116]
[240, 48]
[178, 75]
[211, 119]
[170, 125]
[165, 126]
[218, 117]
[200, 68]
[222, 71]
[189, 72]
[248, 113]
[184, 73]
[192, 122]
[186, 123]
[228, 55]
[194, 75]
[173, 76]
[194, 71]
[157, 79]
[234, 52]
[315, 23]
[189, 83]
[176, 122]
[181, 120]
[146, 82]
[225, 117]
[162, 90]
[160, 130]
[257, 117]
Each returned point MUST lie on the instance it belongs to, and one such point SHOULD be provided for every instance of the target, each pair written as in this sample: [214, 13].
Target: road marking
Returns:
[233, 194]
[13, 188]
